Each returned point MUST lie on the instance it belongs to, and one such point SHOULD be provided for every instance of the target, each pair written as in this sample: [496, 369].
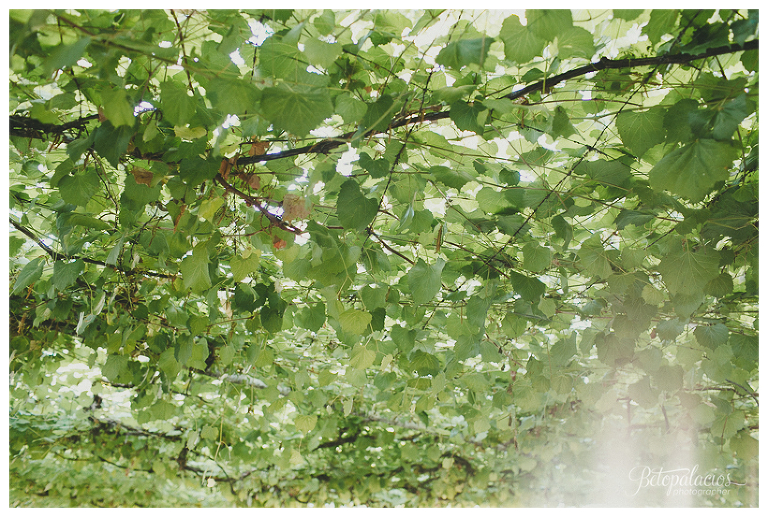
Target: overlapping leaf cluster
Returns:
[376, 257]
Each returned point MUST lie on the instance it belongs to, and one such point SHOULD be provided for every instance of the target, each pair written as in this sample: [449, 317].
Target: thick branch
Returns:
[29, 127]
[55, 255]
[613, 64]
[327, 145]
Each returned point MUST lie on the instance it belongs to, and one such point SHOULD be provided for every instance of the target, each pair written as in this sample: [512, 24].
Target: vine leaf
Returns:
[296, 109]
[194, 269]
[641, 130]
[424, 280]
[354, 210]
[692, 171]
[464, 52]
[520, 43]
[687, 271]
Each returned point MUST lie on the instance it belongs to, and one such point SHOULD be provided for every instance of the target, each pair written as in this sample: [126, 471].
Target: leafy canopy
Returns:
[281, 257]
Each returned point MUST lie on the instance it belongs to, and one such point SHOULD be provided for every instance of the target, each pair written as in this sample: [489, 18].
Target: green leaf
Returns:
[30, 274]
[424, 280]
[549, 23]
[662, 22]
[609, 173]
[703, 414]
[354, 210]
[80, 188]
[560, 124]
[536, 258]
[116, 368]
[469, 117]
[178, 106]
[243, 266]
[633, 217]
[669, 378]
[354, 321]
[670, 329]
[168, 364]
[313, 317]
[627, 14]
[136, 195]
[464, 52]
[209, 207]
[521, 44]
[305, 423]
[692, 171]
[162, 410]
[425, 363]
[234, 97]
[361, 357]
[563, 351]
[531, 289]
[594, 259]
[687, 271]
[575, 42]
[711, 336]
[65, 55]
[450, 177]
[378, 168]
[282, 60]
[321, 53]
[197, 169]
[297, 110]
[351, 110]
[111, 142]
[66, 273]
[728, 118]
[194, 269]
[87, 221]
[378, 115]
[641, 130]
[117, 108]
[720, 286]
[642, 393]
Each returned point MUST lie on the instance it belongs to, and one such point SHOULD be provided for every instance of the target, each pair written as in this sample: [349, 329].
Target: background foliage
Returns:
[270, 258]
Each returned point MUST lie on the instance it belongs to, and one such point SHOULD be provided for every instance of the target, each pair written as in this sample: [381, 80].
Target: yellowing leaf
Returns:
[305, 423]
[209, 207]
[362, 357]
[142, 176]
[294, 207]
[189, 133]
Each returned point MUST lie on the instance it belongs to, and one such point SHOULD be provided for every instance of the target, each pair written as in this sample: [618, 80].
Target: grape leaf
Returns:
[117, 108]
[177, 105]
[424, 280]
[464, 52]
[305, 423]
[80, 188]
[520, 43]
[692, 171]
[30, 274]
[355, 321]
[549, 23]
[641, 130]
[361, 357]
[296, 109]
[354, 210]
[469, 117]
[194, 269]
[687, 271]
